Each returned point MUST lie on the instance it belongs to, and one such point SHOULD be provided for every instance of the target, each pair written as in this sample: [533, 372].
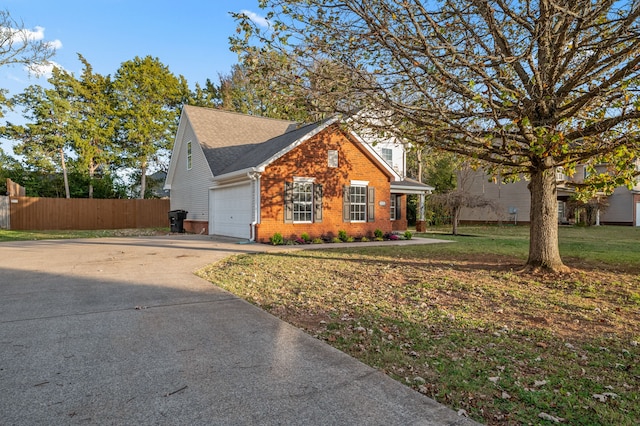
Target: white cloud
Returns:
[55, 44]
[257, 19]
[42, 70]
[37, 34]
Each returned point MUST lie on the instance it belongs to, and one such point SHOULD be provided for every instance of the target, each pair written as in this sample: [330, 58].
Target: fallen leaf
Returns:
[602, 397]
[550, 418]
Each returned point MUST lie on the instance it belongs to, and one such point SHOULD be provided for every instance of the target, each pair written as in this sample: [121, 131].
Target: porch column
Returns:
[421, 223]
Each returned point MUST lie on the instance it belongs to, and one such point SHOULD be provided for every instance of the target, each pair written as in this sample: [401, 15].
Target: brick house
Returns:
[251, 177]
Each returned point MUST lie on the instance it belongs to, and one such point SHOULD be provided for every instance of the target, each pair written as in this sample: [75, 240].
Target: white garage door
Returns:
[230, 211]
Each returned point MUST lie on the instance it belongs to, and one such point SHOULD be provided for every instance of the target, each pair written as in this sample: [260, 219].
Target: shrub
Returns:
[342, 235]
[277, 239]
[318, 241]
[305, 237]
[336, 240]
[328, 237]
[349, 240]
[300, 241]
[364, 239]
[408, 235]
[378, 233]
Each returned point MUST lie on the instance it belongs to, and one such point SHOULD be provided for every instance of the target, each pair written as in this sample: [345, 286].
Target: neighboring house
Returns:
[155, 184]
[515, 202]
[251, 177]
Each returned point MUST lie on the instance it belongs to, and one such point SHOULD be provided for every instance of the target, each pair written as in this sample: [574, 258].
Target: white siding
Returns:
[398, 155]
[190, 188]
[231, 211]
[510, 197]
[516, 196]
[620, 208]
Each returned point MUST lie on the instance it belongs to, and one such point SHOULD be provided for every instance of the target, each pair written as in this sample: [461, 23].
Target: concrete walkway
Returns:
[119, 331]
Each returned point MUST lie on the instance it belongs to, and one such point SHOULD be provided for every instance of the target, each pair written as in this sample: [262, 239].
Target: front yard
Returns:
[460, 324]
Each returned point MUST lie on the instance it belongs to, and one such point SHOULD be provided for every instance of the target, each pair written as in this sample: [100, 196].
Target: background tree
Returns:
[92, 127]
[148, 98]
[43, 140]
[272, 83]
[454, 179]
[524, 86]
[207, 96]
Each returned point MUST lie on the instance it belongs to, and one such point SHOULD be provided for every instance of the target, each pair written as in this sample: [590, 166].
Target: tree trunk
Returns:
[455, 217]
[543, 236]
[143, 179]
[64, 174]
[92, 169]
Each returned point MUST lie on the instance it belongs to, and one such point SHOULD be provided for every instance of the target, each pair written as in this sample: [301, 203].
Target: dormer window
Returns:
[387, 155]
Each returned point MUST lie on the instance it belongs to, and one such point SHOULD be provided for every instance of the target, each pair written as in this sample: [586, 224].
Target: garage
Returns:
[230, 211]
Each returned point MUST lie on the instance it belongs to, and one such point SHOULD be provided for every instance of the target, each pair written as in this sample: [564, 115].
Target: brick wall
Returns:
[310, 159]
[401, 223]
[196, 226]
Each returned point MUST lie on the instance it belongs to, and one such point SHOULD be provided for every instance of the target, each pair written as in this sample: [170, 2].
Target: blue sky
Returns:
[188, 36]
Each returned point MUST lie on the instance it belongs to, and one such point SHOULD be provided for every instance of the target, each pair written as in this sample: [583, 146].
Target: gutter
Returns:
[255, 183]
[236, 175]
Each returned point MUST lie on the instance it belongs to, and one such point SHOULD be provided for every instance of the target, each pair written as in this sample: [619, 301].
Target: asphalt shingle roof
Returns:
[233, 141]
[259, 153]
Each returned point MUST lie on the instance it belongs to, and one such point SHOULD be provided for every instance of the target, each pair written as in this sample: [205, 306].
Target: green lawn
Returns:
[7, 235]
[459, 322]
[614, 245]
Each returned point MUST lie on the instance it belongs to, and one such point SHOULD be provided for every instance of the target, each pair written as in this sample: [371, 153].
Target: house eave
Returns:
[297, 143]
[398, 187]
[395, 176]
[236, 176]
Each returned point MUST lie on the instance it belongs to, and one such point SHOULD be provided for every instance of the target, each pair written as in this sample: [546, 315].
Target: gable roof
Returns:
[261, 154]
[235, 143]
[227, 136]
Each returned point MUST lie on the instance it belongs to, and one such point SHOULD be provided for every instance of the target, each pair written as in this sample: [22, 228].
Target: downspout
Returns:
[255, 183]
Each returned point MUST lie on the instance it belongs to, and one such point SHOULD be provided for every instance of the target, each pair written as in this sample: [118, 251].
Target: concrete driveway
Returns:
[119, 331]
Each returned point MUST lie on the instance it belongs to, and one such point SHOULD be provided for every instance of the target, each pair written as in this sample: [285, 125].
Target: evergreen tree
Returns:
[147, 99]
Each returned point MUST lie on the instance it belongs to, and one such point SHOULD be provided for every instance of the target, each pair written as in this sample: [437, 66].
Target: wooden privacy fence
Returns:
[30, 213]
[4, 212]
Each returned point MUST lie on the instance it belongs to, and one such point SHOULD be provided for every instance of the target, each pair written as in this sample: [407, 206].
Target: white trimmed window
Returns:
[189, 157]
[332, 159]
[358, 204]
[302, 202]
[387, 154]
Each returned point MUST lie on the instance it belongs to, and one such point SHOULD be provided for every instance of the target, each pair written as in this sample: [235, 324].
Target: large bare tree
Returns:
[525, 86]
[21, 46]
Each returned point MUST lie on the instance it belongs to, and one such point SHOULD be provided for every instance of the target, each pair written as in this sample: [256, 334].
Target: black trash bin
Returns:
[176, 220]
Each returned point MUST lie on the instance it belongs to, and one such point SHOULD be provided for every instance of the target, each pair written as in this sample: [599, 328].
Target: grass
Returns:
[8, 235]
[459, 322]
